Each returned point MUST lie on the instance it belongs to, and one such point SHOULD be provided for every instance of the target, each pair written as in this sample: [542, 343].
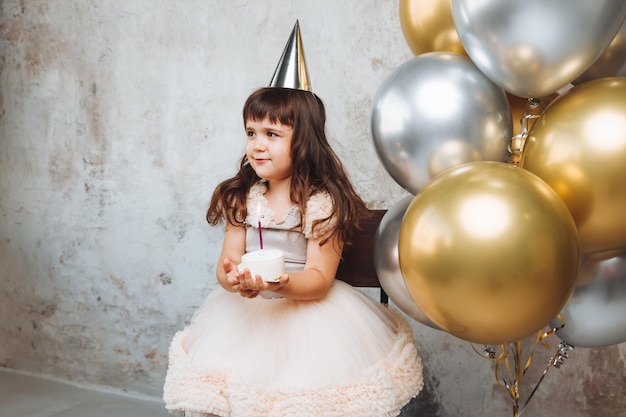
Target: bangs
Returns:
[274, 103]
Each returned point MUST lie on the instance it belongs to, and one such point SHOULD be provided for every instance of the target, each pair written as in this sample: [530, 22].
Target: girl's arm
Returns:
[314, 281]
[318, 275]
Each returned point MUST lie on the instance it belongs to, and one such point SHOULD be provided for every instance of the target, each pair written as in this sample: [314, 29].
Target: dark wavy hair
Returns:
[315, 166]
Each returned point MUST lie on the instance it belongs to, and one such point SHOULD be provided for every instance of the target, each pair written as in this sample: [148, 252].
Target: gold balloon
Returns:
[489, 252]
[578, 147]
[428, 26]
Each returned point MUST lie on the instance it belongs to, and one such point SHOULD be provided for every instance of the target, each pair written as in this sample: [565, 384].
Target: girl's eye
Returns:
[250, 134]
[271, 134]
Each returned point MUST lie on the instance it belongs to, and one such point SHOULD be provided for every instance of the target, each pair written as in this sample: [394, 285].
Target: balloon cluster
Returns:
[489, 248]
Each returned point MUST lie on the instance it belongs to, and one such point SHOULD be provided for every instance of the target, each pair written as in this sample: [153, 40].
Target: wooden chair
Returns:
[357, 263]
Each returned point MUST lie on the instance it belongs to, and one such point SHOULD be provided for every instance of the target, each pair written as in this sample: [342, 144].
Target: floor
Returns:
[27, 396]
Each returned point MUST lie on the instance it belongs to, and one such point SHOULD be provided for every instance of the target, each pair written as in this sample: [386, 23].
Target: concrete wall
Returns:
[117, 120]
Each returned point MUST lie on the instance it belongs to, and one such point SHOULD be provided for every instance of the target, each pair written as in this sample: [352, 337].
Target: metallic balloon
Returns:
[578, 147]
[489, 252]
[612, 62]
[387, 264]
[437, 111]
[533, 48]
[428, 26]
[595, 315]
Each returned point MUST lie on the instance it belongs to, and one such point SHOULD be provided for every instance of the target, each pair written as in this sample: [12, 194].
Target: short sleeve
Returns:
[319, 207]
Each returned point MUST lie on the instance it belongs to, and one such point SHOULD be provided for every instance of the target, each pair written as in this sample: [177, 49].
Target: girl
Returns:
[306, 345]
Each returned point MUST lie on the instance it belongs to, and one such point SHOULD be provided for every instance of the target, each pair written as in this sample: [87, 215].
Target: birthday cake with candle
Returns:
[269, 263]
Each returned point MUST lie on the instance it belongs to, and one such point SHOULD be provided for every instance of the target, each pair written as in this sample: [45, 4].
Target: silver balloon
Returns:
[437, 111]
[533, 48]
[612, 62]
[388, 266]
[595, 314]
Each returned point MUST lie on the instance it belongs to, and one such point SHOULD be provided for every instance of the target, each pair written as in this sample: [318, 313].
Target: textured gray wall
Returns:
[118, 118]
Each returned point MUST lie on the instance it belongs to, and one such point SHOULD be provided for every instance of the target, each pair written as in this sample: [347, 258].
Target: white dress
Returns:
[345, 355]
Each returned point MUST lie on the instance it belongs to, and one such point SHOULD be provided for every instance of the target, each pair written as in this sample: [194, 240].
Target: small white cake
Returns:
[269, 263]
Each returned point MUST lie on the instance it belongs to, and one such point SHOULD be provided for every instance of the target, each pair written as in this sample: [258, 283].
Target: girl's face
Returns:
[269, 148]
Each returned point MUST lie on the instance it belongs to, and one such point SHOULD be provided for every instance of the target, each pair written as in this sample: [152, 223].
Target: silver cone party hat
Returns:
[291, 70]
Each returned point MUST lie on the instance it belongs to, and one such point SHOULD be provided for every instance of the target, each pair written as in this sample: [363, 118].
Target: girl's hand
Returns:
[233, 279]
[232, 274]
[248, 282]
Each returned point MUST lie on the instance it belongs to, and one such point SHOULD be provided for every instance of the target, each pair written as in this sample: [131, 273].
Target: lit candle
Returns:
[258, 216]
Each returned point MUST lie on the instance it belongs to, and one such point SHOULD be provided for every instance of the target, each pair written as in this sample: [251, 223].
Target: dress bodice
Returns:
[285, 234]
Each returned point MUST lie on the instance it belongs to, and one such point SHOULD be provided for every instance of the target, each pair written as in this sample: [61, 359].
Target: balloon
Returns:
[595, 315]
[489, 252]
[434, 112]
[533, 48]
[578, 147]
[427, 26]
[387, 264]
[612, 62]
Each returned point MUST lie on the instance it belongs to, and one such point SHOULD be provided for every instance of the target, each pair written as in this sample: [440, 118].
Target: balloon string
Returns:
[503, 358]
[557, 360]
[534, 110]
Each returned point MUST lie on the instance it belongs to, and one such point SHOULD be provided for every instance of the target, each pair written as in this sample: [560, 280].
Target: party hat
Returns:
[291, 70]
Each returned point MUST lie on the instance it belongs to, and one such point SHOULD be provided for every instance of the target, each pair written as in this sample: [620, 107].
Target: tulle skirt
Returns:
[344, 355]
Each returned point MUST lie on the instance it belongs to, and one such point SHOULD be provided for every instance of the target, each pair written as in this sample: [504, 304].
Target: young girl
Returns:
[306, 345]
